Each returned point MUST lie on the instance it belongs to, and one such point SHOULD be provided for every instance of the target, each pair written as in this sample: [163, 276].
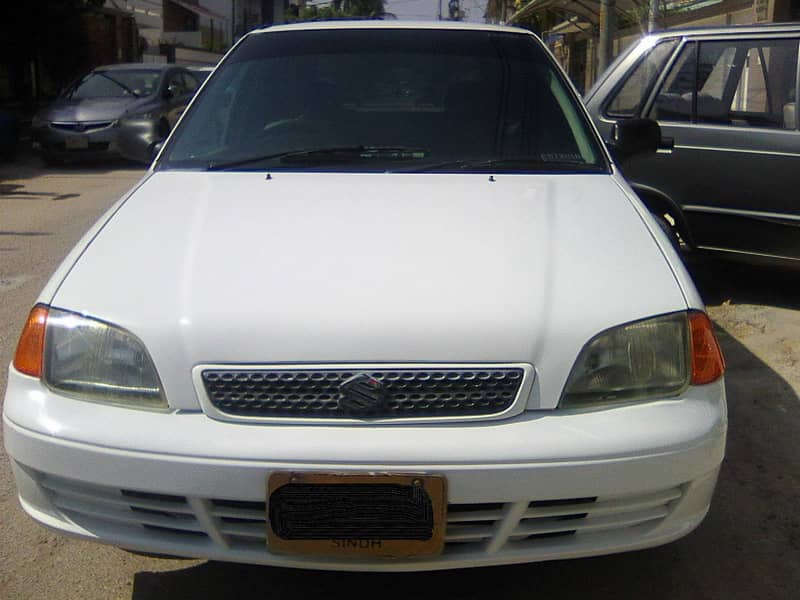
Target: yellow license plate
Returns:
[370, 515]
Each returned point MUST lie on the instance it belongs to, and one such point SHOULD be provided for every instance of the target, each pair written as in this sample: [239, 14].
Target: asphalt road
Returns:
[748, 547]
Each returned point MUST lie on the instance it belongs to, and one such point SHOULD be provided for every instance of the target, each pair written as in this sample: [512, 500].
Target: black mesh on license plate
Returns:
[351, 512]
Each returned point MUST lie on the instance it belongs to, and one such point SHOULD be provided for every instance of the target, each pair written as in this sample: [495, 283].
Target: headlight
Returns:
[92, 360]
[638, 361]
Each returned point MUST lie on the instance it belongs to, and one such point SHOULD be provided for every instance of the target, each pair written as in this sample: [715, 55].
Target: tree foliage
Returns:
[342, 9]
[537, 22]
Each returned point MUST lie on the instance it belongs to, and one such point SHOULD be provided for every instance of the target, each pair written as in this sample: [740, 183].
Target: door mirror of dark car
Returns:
[630, 137]
[168, 94]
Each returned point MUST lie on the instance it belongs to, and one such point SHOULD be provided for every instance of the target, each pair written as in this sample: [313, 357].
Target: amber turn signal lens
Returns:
[708, 364]
[30, 349]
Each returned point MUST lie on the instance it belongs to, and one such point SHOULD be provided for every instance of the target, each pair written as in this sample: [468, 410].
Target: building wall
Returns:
[177, 18]
[225, 8]
[251, 14]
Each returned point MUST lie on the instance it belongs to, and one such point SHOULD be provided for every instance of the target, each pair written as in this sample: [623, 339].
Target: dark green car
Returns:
[727, 174]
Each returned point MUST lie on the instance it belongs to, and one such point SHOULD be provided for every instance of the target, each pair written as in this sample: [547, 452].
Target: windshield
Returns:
[386, 100]
[115, 84]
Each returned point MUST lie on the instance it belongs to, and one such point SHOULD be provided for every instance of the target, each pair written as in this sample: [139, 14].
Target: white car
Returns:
[383, 302]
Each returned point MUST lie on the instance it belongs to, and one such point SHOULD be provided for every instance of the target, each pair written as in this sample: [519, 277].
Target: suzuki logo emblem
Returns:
[362, 394]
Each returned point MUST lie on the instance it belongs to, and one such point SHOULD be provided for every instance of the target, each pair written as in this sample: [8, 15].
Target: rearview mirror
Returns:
[630, 137]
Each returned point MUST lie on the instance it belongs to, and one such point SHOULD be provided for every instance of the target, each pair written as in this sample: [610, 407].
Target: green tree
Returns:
[363, 8]
[341, 9]
[500, 10]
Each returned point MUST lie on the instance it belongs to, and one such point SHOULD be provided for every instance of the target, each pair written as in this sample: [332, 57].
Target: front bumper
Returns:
[540, 486]
[96, 143]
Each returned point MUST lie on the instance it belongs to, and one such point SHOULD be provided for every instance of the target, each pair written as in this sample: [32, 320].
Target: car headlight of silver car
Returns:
[653, 358]
[88, 359]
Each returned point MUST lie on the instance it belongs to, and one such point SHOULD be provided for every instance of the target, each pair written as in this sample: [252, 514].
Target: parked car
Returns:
[728, 172]
[383, 302]
[113, 110]
[9, 135]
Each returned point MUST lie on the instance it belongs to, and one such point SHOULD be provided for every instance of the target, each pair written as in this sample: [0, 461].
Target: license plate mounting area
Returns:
[372, 515]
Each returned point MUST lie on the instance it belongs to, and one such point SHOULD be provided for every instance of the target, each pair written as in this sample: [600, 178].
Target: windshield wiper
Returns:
[520, 164]
[120, 84]
[332, 154]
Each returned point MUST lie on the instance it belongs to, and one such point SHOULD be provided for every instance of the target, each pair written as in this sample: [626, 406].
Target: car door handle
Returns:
[666, 146]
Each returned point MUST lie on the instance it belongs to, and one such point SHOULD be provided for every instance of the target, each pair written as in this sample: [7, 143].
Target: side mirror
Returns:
[168, 94]
[630, 137]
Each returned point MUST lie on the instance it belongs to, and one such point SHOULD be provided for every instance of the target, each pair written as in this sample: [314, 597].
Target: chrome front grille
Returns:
[408, 393]
[240, 526]
[80, 126]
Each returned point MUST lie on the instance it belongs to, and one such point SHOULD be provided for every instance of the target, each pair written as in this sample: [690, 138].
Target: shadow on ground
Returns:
[720, 281]
[29, 164]
[748, 547]
[18, 191]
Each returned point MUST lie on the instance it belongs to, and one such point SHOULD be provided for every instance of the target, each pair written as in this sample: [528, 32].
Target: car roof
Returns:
[378, 24]
[729, 30]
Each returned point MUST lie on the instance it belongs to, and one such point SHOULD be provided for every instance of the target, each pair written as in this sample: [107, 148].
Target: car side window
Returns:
[628, 99]
[764, 95]
[175, 85]
[676, 96]
[190, 83]
[740, 83]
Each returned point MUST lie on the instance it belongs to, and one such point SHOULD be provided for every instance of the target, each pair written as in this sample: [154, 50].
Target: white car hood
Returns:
[236, 268]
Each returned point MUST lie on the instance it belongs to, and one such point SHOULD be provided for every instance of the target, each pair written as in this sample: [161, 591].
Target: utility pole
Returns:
[652, 16]
[233, 22]
[440, 10]
[608, 29]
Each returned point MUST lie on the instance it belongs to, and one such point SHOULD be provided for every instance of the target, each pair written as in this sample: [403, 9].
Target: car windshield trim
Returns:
[334, 154]
[515, 164]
